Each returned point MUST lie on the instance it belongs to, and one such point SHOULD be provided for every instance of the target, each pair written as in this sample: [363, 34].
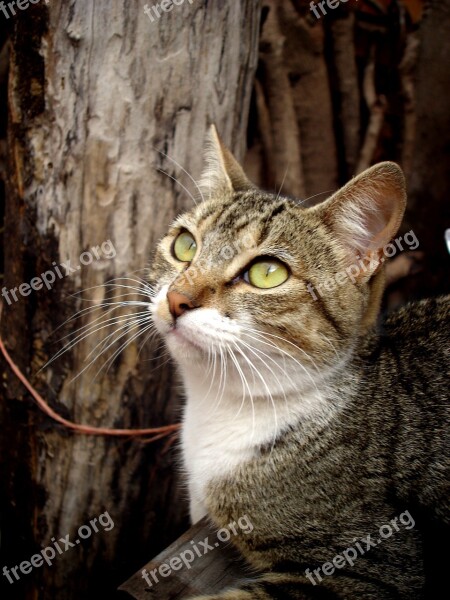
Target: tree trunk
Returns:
[428, 211]
[282, 152]
[94, 87]
[342, 51]
[310, 88]
[294, 149]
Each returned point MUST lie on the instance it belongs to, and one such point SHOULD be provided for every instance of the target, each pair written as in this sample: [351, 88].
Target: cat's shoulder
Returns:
[418, 330]
[418, 335]
[427, 317]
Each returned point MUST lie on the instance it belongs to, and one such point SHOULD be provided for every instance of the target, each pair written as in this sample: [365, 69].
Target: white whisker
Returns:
[179, 183]
[183, 169]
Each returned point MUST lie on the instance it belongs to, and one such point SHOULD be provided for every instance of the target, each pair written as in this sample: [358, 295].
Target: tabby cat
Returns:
[329, 432]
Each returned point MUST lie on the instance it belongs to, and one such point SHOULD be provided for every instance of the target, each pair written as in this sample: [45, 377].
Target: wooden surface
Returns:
[94, 88]
[211, 572]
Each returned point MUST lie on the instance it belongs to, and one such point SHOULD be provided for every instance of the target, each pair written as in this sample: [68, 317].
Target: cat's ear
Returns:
[367, 212]
[222, 173]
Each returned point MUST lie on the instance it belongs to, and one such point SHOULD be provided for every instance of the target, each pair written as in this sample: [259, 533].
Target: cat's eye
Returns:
[267, 273]
[184, 247]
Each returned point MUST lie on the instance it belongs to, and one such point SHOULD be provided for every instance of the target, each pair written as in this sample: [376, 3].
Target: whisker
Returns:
[125, 344]
[104, 344]
[91, 309]
[256, 352]
[252, 366]
[79, 337]
[130, 327]
[260, 339]
[93, 324]
[222, 381]
[282, 183]
[106, 319]
[183, 169]
[147, 290]
[179, 183]
[243, 379]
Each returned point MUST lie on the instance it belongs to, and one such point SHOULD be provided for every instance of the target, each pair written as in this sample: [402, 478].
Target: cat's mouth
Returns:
[179, 335]
[207, 336]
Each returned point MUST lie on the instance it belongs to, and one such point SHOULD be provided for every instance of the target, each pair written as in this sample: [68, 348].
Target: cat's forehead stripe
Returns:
[267, 223]
[244, 210]
[211, 208]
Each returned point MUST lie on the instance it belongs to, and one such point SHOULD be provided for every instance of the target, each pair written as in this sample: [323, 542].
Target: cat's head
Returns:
[241, 276]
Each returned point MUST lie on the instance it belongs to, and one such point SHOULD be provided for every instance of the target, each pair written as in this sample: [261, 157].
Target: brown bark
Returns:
[294, 147]
[377, 106]
[428, 211]
[342, 49]
[304, 56]
[282, 142]
[408, 79]
[93, 88]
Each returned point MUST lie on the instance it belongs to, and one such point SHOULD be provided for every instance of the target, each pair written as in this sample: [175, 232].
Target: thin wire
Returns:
[159, 432]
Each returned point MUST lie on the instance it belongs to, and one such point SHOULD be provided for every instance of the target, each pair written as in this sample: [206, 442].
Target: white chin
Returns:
[182, 348]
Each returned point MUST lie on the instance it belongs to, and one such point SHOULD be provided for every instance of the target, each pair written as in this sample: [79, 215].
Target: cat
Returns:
[301, 413]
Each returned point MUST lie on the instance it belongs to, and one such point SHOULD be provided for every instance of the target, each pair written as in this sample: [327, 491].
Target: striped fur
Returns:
[302, 414]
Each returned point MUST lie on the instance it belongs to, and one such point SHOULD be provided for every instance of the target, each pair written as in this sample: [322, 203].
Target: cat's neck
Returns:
[211, 398]
[225, 427]
[269, 407]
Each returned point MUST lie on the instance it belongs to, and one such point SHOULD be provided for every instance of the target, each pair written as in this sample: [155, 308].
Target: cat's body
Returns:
[299, 414]
[326, 485]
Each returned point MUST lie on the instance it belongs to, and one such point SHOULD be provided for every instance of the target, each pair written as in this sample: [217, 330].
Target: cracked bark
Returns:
[93, 88]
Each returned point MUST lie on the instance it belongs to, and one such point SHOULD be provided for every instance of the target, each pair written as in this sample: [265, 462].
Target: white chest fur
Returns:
[219, 435]
[221, 428]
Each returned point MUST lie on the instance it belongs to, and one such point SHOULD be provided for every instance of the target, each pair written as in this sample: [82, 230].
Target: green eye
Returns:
[185, 247]
[267, 274]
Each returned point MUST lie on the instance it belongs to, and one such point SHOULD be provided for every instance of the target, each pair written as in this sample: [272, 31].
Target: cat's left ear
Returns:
[367, 212]
[222, 173]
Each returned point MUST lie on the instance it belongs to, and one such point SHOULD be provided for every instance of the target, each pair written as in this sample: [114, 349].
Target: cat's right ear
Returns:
[222, 174]
[366, 213]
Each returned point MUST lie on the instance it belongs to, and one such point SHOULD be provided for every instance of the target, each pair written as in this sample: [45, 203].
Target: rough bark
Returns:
[377, 106]
[292, 142]
[305, 61]
[342, 49]
[282, 145]
[408, 79]
[93, 87]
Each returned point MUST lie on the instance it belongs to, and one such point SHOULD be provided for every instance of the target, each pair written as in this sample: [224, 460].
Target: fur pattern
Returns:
[304, 414]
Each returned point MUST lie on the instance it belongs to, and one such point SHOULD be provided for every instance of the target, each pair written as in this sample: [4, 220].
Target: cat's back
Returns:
[426, 321]
[405, 399]
[412, 347]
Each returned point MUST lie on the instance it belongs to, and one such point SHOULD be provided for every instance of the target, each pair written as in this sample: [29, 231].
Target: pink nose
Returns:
[179, 304]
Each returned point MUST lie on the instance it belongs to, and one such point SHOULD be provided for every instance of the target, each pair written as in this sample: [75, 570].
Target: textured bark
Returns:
[283, 147]
[94, 86]
[344, 68]
[292, 137]
[377, 106]
[304, 56]
[408, 79]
